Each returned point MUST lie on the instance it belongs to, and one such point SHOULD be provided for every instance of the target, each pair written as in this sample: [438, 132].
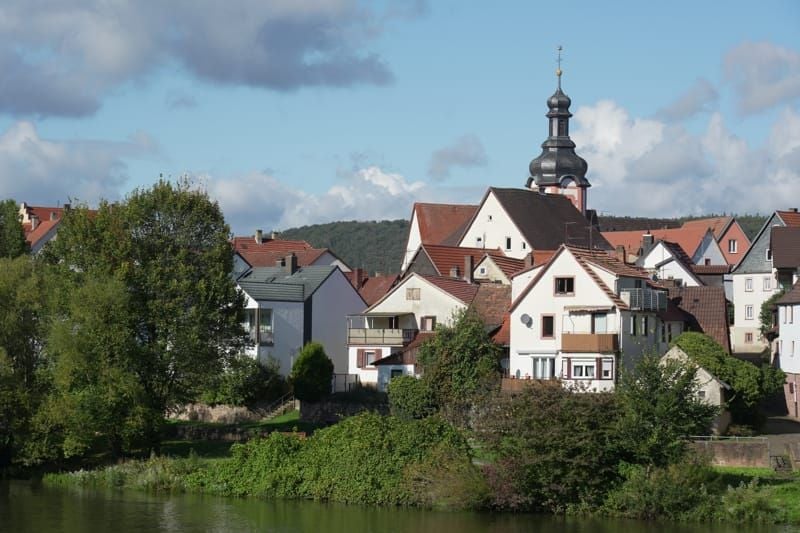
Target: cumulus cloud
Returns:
[465, 152]
[645, 166]
[62, 58]
[46, 171]
[700, 97]
[763, 75]
[261, 199]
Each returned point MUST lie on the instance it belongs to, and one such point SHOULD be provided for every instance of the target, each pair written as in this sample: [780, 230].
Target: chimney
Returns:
[53, 215]
[290, 263]
[359, 277]
[67, 207]
[454, 272]
[647, 242]
[793, 209]
[469, 267]
[34, 222]
[274, 235]
[528, 260]
[259, 236]
[620, 253]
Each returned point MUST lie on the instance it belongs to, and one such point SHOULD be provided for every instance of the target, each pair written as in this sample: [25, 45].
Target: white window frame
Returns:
[748, 312]
[543, 367]
[508, 243]
[581, 371]
[767, 284]
[732, 246]
[748, 284]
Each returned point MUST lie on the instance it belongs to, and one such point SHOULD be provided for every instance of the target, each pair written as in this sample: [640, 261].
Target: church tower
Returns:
[558, 169]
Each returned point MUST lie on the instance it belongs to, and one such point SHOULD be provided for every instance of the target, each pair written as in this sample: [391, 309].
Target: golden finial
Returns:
[558, 70]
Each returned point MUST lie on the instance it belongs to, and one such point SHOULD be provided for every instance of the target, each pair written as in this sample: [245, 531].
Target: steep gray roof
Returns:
[274, 283]
[546, 220]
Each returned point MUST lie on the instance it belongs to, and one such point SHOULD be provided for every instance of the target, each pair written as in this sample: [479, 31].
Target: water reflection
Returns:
[27, 507]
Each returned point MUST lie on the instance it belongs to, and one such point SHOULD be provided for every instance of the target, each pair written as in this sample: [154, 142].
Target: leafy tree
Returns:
[169, 247]
[410, 398]
[766, 316]
[12, 236]
[312, 373]
[751, 384]
[23, 306]
[247, 382]
[659, 407]
[552, 447]
[459, 362]
[96, 393]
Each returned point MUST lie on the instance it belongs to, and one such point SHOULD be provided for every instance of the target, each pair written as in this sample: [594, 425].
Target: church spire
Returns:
[558, 166]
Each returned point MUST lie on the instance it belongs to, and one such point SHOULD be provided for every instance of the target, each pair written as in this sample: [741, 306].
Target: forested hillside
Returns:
[373, 246]
[379, 246]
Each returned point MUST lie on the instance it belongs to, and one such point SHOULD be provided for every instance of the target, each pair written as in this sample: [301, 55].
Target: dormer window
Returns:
[732, 246]
[565, 286]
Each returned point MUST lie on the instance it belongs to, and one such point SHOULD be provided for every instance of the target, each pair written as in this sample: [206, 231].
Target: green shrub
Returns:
[312, 373]
[247, 382]
[410, 397]
[362, 394]
[447, 479]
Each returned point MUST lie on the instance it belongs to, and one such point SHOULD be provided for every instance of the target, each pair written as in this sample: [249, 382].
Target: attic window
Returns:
[508, 243]
[565, 286]
[490, 218]
[412, 293]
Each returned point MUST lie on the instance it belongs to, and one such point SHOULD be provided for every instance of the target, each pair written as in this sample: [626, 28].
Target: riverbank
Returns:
[377, 460]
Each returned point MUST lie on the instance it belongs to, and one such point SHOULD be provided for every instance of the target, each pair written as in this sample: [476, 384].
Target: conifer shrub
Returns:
[312, 373]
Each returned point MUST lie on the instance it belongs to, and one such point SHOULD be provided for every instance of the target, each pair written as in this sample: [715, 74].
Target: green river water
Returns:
[28, 507]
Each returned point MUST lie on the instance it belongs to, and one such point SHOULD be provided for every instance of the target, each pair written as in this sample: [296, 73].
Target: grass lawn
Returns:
[781, 489]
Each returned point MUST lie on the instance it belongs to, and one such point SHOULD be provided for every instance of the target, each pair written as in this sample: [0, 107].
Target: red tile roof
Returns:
[459, 289]
[707, 309]
[688, 238]
[508, 265]
[442, 223]
[717, 225]
[374, 288]
[444, 258]
[491, 302]
[502, 336]
[269, 251]
[790, 217]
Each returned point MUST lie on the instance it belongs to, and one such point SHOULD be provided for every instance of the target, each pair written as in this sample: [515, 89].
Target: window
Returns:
[508, 243]
[396, 372]
[767, 284]
[645, 330]
[732, 246]
[769, 254]
[790, 313]
[548, 326]
[608, 369]
[706, 261]
[748, 338]
[584, 371]
[482, 271]
[748, 284]
[478, 242]
[663, 332]
[633, 325]
[412, 293]
[265, 327]
[748, 312]
[428, 323]
[524, 245]
[669, 332]
[565, 285]
[701, 394]
[250, 324]
[367, 357]
[544, 367]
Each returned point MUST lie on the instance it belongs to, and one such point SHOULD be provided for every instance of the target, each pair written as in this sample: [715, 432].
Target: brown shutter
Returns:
[378, 353]
[598, 368]
[360, 358]
[569, 367]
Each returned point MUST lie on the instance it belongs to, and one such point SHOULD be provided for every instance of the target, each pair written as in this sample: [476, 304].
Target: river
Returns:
[32, 508]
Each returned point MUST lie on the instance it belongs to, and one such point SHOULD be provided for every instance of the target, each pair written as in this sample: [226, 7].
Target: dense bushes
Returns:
[369, 459]
[247, 382]
[409, 398]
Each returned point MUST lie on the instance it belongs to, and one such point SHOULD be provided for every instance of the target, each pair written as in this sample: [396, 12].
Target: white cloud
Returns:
[763, 75]
[261, 200]
[61, 58]
[465, 152]
[47, 172]
[700, 97]
[647, 167]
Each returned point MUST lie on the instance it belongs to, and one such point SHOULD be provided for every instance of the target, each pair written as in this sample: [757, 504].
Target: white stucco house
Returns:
[439, 224]
[394, 324]
[582, 315]
[667, 261]
[787, 353]
[699, 244]
[288, 307]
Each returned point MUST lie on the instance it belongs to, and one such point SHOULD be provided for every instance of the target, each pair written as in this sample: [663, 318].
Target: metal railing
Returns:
[644, 299]
[380, 336]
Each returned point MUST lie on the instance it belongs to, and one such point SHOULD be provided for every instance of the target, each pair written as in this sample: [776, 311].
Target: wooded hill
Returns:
[379, 246]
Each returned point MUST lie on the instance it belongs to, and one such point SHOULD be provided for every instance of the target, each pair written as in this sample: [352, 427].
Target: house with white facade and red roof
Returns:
[260, 250]
[435, 224]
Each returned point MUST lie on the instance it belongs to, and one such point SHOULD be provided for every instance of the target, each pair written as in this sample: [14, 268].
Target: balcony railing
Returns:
[589, 342]
[644, 299]
[380, 336]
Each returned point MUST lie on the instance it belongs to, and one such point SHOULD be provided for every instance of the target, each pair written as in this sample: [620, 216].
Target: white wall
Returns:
[433, 302]
[328, 258]
[385, 374]
[520, 281]
[709, 249]
[414, 241]
[789, 338]
[672, 270]
[491, 272]
[741, 299]
[331, 303]
[287, 332]
[492, 225]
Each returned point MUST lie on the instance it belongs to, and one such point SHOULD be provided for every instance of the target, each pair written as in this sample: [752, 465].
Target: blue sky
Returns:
[292, 112]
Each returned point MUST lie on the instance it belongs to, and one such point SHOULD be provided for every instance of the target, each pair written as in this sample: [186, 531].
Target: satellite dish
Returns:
[526, 319]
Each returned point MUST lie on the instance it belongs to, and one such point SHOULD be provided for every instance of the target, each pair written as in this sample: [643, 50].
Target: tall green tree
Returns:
[312, 373]
[23, 305]
[168, 245]
[659, 408]
[459, 362]
[12, 236]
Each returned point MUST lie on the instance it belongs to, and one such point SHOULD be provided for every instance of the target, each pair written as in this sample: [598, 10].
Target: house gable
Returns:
[418, 296]
[755, 259]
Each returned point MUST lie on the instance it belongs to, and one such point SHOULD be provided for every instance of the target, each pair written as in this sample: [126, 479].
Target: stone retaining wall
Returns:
[330, 412]
[753, 453]
[218, 414]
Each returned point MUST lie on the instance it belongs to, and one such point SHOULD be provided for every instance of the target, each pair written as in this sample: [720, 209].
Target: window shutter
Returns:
[598, 368]
[360, 359]
[378, 353]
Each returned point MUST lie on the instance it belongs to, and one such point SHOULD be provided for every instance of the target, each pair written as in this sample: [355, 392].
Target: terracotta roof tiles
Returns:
[374, 288]
[707, 309]
[688, 238]
[790, 217]
[459, 289]
[717, 225]
[442, 223]
[444, 258]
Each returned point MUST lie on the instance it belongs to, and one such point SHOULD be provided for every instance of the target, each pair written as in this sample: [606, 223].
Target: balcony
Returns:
[644, 299]
[380, 336]
[589, 342]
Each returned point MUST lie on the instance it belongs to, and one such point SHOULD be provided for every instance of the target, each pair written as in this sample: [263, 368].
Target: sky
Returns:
[294, 112]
